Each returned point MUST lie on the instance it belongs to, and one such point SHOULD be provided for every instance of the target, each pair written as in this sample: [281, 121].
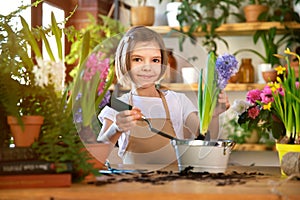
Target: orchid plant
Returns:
[35, 78]
[218, 72]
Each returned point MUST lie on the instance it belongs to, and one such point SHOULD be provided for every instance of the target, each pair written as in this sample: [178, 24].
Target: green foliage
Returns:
[60, 141]
[100, 29]
[271, 44]
[208, 23]
[19, 95]
[260, 2]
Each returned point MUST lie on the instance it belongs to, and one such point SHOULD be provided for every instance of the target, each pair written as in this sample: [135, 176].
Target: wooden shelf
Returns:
[181, 87]
[230, 87]
[236, 29]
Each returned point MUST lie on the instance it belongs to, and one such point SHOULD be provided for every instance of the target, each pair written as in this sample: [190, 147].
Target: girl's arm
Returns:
[109, 132]
[222, 105]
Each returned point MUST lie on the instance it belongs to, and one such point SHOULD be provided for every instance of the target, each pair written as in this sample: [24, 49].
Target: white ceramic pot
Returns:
[262, 68]
[203, 156]
[189, 75]
[172, 11]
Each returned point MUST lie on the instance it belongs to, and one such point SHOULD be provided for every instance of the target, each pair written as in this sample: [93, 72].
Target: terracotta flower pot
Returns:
[252, 12]
[269, 75]
[25, 136]
[98, 154]
[142, 15]
[234, 78]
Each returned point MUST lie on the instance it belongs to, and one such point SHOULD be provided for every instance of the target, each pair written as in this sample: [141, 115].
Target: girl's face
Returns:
[145, 63]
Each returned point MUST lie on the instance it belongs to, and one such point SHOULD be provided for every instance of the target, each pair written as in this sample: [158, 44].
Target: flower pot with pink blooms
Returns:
[276, 108]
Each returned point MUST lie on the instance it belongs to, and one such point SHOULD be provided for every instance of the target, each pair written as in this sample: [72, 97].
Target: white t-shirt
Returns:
[180, 106]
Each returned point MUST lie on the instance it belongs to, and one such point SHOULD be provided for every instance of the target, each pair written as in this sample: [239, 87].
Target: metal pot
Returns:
[203, 156]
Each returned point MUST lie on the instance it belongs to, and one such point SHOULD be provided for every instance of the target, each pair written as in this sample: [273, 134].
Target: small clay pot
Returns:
[234, 78]
[269, 76]
[252, 12]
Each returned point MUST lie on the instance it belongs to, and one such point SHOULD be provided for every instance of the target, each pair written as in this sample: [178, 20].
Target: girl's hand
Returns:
[222, 104]
[127, 119]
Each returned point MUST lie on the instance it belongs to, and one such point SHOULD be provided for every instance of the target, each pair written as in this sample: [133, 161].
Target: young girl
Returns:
[140, 62]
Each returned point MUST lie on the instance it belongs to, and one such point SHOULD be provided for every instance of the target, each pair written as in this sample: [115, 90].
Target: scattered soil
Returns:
[162, 177]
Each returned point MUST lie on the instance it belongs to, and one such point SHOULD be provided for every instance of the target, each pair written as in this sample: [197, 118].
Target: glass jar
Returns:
[172, 66]
[246, 71]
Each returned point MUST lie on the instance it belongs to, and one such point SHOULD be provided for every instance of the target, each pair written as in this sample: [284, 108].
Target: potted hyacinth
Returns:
[90, 92]
[276, 108]
[211, 154]
[93, 79]
[218, 72]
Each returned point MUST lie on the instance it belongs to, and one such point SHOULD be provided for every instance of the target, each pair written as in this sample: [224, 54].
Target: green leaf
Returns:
[57, 32]
[30, 38]
[47, 45]
[208, 94]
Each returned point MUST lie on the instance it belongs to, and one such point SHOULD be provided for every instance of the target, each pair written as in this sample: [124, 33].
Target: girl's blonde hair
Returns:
[127, 44]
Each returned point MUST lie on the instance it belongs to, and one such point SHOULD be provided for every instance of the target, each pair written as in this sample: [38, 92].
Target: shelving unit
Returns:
[234, 87]
[236, 29]
[230, 29]
[230, 87]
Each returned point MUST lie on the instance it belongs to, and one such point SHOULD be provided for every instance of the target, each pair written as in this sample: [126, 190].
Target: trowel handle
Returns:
[119, 105]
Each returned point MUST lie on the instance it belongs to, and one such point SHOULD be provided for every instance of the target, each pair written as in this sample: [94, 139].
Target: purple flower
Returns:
[226, 66]
[78, 116]
[105, 100]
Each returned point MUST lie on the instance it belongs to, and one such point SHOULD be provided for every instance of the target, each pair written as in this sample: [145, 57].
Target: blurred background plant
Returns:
[23, 80]
[92, 46]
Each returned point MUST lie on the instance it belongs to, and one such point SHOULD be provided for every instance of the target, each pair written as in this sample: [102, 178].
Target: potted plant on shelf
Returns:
[284, 11]
[39, 81]
[192, 21]
[24, 95]
[256, 10]
[271, 42]
[142, 14]
[276, 108]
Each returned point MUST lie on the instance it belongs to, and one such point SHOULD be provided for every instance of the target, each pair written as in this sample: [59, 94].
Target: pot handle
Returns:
[230, 145]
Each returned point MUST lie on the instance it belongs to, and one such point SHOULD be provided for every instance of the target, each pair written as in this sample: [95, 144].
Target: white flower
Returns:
[49, 73]
[240, 106]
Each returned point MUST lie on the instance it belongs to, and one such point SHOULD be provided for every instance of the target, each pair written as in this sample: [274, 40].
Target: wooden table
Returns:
[269, 186]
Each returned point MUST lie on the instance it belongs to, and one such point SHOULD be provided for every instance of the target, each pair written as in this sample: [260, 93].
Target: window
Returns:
[6, 8]
[13, 5]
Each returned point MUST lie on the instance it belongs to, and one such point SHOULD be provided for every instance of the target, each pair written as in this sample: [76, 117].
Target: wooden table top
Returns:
[270, 185]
